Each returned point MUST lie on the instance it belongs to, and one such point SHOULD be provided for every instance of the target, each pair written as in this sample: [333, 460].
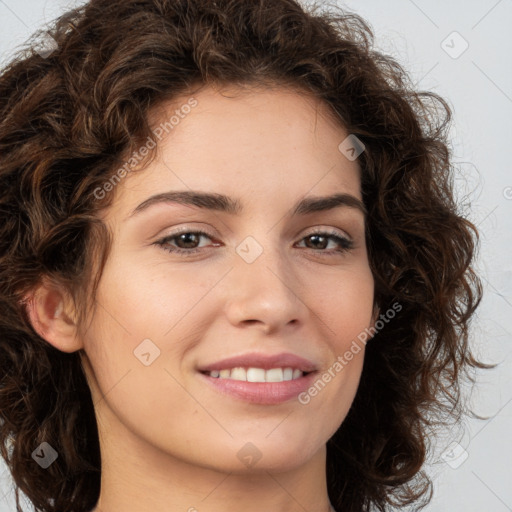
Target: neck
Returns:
[140, 478]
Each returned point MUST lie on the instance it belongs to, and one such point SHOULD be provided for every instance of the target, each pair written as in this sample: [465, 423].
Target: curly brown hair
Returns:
[67, 121]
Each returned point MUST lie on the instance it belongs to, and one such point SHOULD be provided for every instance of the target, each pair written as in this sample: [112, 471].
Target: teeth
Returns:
[274, 375]
[258, 374]
[238, 374]
[253, 374]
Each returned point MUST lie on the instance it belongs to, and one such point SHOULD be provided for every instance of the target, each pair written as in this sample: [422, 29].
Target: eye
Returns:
[186, 242]
[322, 238]
[185, 239]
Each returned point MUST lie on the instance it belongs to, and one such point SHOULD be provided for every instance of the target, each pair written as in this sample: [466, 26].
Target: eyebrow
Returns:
[223, 203]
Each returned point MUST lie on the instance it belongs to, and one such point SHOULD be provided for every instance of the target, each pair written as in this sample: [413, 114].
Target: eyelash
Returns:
[345, 244]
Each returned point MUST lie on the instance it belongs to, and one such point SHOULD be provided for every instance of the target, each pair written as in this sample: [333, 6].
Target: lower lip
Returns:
[266, 393]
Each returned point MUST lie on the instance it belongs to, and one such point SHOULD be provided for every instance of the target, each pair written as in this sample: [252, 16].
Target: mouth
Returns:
[259, 378]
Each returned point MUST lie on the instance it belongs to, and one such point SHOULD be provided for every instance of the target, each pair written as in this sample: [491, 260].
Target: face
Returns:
[188, 286]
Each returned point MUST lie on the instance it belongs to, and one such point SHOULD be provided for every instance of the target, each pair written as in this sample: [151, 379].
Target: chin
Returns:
[263, 453]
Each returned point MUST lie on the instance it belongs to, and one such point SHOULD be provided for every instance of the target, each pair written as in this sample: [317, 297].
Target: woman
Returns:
[232, 272]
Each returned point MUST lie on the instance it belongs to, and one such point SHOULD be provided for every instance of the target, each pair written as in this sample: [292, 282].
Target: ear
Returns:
[53, 317]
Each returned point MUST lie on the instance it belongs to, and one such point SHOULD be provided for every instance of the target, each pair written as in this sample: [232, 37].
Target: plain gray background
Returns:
[429, 39]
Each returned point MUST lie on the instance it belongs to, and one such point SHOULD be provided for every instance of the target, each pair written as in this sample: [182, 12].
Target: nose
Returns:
[265, 293]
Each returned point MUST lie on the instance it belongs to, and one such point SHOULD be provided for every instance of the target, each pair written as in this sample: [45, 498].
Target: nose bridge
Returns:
[261, 262]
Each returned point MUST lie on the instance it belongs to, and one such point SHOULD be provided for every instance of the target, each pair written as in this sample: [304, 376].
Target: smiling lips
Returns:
[262, 379]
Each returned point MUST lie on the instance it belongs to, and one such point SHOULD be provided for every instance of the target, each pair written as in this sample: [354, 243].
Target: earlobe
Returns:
[48, 314]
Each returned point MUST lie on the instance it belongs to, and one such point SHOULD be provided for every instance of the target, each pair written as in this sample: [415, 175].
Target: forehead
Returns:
[274, 143]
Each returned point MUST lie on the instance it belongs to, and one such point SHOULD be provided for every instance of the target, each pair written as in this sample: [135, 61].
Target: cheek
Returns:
[150, 298]
[137, 313]
[344, 303]
[345, 308]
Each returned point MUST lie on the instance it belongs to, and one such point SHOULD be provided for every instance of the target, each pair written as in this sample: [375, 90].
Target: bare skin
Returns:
[169, 441]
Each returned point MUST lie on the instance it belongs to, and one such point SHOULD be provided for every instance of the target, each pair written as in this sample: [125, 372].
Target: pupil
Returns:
[317, 237]
[185, 236]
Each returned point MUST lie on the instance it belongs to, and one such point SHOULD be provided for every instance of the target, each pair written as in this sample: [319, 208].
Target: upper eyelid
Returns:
[193, 229]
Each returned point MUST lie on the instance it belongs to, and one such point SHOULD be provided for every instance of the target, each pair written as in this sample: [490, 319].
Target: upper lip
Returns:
[265, 361]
